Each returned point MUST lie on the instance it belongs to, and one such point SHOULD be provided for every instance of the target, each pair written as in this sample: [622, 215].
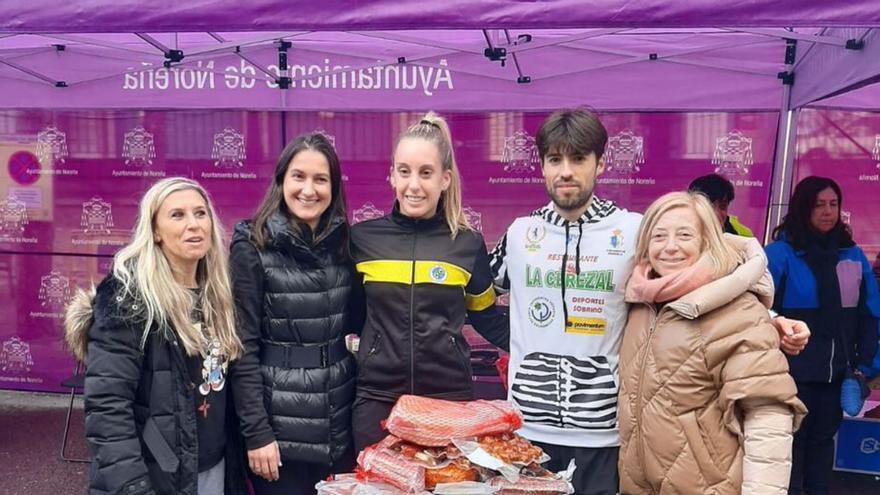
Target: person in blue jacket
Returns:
[824, 279]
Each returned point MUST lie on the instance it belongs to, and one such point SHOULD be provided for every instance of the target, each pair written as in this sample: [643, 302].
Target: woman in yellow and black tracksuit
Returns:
[423, 271]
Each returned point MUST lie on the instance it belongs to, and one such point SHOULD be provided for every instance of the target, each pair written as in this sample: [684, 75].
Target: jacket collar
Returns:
[300, 243]
[750, 275]
[598, 209]
[417, 223]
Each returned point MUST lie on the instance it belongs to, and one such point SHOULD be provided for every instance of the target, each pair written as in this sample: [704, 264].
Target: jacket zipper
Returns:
[458, 351]
[831, 363]
[191, 397]
[412, 295]
[642, 360]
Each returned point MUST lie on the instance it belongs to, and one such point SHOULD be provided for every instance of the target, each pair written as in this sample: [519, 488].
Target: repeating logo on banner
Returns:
[229, 149]
[366, 212]
[13, 217]
[54, 289]
[625, 152]
[875, 153]
[97, 216]
[474, 218]
[51, 146]
[520, 155]
[16, 357]
[733, 155]
[845, 216]
[138, 147]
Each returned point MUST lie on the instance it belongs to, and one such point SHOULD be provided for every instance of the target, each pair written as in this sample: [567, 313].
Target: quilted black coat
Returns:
[294, 292]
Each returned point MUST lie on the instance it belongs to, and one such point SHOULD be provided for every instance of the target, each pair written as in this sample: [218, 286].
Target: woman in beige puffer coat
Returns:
[706, 402]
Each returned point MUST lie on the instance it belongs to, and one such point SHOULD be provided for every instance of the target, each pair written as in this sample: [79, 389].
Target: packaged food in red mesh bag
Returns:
[379, 463]
[529, 485]
[435, 422]
[501, 365]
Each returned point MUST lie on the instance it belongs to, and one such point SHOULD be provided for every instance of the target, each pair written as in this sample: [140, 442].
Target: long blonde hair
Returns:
[146, 275]
[724, 257]
[434, 129]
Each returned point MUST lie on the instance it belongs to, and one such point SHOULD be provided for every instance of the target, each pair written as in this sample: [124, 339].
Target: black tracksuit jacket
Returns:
[419, 285]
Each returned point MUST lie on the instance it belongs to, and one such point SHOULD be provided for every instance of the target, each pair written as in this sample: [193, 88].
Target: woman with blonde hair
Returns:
[157, 337]
[423, 271]
[706, 403]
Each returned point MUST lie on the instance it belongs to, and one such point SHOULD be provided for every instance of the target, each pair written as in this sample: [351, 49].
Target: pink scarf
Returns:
[646, 286]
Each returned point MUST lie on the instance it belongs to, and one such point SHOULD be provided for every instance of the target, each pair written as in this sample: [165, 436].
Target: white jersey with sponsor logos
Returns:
[563, 377]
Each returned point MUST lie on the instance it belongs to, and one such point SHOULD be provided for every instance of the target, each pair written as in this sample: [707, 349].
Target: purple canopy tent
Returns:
[613, 55]
[456, 57]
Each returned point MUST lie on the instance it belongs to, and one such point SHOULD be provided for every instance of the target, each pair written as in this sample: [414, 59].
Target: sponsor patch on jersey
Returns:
[585, 326]
[615, 243]
[534, 235]
[541, 312]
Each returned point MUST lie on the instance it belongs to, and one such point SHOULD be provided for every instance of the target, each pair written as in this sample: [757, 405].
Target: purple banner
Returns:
[845, 146]
[35, 290]
[69, 196]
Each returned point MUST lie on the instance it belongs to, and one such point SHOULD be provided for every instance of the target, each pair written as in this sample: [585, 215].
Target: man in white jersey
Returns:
[566, 266]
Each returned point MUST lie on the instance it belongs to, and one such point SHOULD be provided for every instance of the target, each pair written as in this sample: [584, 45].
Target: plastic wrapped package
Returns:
[528, 485]
[435, 422]
[379, 463]
[464, 488]
[353, 484]
[350, 485]
[455, 471]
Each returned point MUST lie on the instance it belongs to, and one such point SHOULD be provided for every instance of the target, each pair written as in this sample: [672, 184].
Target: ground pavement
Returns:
[30, 439]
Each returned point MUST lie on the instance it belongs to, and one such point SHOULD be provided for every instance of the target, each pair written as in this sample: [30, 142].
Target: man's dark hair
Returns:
[571, 132]
[714, 187]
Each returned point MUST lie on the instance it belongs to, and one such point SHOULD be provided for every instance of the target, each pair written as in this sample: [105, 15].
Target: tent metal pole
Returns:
[153, 41]
[30, 72]
[93, 42]
[783, 170]
[792, 35]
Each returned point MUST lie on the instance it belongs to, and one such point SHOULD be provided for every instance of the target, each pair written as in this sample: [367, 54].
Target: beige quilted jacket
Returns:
[699, 379]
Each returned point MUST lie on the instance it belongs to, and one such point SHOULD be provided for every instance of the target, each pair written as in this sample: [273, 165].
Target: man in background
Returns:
[720, 193]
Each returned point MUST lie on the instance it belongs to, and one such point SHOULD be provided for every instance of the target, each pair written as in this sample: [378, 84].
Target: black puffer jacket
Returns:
[292, 299]
[139, 406]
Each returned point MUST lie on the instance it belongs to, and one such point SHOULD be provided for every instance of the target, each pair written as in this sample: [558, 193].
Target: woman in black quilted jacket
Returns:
[158, 337]
[292, 276]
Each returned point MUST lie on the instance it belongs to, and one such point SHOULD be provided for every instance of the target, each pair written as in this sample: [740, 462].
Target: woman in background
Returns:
[824, 279]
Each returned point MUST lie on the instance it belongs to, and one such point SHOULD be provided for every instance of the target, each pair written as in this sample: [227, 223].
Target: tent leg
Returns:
[786, 133]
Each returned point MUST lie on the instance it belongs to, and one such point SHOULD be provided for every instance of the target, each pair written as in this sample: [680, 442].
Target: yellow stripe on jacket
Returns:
[426, 272]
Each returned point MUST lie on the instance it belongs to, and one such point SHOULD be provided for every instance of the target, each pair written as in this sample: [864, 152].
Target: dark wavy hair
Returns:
[274, 199]
[572, 131]
[796, 223]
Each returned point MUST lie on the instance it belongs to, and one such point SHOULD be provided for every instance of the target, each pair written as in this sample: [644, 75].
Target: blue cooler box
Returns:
[857, 446]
